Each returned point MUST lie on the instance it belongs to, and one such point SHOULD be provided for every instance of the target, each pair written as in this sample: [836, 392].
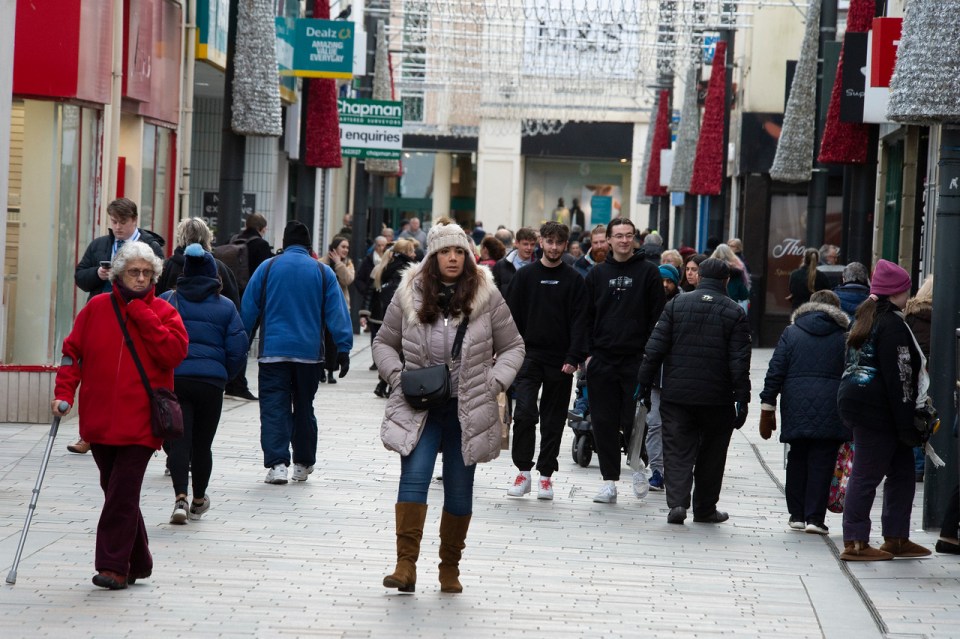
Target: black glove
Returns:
[343, 361]
[740, 412]
[644, 393]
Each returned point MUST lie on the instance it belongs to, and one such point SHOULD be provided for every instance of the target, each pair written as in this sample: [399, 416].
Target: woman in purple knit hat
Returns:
[882, 384]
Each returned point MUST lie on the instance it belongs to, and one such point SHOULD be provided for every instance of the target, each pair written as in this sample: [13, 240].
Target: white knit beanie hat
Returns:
[444, 235]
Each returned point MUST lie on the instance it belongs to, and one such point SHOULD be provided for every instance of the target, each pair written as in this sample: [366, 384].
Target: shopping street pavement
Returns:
[306, 560]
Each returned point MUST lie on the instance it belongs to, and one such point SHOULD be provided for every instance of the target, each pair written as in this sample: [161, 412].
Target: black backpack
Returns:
[236, 255]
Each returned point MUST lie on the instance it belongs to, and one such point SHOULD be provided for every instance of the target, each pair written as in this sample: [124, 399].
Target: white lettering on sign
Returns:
[365, 109]
[789, 246]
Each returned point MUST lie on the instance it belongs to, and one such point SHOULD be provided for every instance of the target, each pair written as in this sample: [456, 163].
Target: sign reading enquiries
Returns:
[371, 128]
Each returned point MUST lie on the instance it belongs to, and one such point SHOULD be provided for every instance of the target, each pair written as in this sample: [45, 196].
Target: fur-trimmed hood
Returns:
[409, 292]
[919, 307]
[820, 319]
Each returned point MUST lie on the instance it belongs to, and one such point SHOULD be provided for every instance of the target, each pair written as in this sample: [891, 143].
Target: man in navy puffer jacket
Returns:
[218, 348]
[805, 370]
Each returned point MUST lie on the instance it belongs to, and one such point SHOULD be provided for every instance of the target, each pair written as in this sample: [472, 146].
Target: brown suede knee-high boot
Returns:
[410, 518]
[453, 533]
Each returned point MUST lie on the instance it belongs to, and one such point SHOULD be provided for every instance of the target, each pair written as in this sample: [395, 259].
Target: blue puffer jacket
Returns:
[805, 369]
[302, 297]
[218, 344]
[851, 296]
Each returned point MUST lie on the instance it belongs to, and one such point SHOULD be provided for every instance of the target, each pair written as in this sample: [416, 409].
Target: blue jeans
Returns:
[284, 385]
[441, 432]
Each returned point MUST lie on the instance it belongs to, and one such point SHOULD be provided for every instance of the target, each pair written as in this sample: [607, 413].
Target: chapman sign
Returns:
[371, 128]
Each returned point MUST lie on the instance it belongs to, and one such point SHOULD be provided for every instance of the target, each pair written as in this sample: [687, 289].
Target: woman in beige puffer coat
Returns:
[422, 323]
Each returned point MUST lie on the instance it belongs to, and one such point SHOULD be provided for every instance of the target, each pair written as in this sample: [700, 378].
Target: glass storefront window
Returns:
[52, 216]
[545, 181]
[156, 172]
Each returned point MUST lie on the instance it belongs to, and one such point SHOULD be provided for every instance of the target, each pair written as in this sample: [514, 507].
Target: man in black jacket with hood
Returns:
[624, 299]
[702, 340]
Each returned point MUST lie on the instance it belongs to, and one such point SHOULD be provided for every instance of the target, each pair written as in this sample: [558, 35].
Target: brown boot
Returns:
[903, 547]
[410, 518]
[453, 533]
[862, 551]
[80, 448]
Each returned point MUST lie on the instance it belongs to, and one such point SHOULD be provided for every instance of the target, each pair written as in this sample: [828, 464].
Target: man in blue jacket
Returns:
[295, 297]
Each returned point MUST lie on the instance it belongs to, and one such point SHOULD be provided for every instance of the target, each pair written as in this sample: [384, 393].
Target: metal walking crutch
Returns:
[12, 576]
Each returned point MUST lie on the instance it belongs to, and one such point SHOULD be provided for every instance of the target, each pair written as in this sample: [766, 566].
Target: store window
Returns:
[156, 173]
[53, 201]
[603, 186]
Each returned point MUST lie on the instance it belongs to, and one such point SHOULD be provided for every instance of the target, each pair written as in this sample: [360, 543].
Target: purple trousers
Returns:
[121, 536]
[878, 454]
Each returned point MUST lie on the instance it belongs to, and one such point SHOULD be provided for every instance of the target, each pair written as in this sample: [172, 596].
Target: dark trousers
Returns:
[695, 441]
[551, 414]
[287, 390]
[122, 544]
[810, 465]
[879, 453]
[951, 516]
[201, 404]
[611, 387]
[329, 353]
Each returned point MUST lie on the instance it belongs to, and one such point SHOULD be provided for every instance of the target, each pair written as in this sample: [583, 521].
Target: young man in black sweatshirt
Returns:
[547, 300]
[624, 300]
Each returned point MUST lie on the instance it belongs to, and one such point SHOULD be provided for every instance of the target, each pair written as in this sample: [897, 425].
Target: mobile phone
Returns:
[105, 264]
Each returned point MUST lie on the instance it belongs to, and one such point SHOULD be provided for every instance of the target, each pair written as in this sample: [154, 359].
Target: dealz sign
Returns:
[371, 128]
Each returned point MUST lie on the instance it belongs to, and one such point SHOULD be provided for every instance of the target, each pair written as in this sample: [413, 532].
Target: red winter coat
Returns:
[114, 408]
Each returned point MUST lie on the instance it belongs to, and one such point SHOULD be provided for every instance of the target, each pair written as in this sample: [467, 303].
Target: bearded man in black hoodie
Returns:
[624, 300]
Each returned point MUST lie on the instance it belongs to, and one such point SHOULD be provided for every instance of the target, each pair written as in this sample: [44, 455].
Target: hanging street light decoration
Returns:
[708, 164]
[794, 159]
[686, 148]
[256, 93]
[382, 90]
[661, 141]
[323, 122]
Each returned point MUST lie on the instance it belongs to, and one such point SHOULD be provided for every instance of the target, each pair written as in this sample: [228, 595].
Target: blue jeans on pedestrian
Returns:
[284, 385]
[654, 433]
[441, 432]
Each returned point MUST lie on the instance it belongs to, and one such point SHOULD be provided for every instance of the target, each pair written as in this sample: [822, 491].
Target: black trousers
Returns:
[810, 464]
[951, 515]
[695, 441]
[192, 454]
[611, 387]
[551, 415]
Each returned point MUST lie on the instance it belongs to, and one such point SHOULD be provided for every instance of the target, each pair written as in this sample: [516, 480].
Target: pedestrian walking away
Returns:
[702, 340]
[338, 259]
[114, 406]
[624, 299]
[295, 299]
[805, 372]
[218, 349]
[446, 311]
[883, 385]
[548, 304]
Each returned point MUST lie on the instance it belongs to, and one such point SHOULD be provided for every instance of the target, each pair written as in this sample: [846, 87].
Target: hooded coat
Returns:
[492, 354]
[805, 371]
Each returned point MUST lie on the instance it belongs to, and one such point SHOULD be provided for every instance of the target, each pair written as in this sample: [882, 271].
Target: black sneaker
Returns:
[717, 517]
[947, 547]
[373, 366]
[197, 510]
[242, 394]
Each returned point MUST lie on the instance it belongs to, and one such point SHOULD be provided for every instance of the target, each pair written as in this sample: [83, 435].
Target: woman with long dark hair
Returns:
[883, 383]
[807, 280]
[338, 259]
[446, 310]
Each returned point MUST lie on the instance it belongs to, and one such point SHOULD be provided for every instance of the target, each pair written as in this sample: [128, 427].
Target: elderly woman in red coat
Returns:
[114, 407]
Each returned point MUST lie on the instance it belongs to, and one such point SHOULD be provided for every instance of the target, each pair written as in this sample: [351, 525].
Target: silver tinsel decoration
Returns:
[642, 197]
[794, 159]
[256, 87]
[686, 148]
[925, 87]
[382, 90]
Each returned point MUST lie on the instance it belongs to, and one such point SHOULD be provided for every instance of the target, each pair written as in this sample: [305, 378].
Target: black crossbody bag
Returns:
[166, 418]
[428, 387]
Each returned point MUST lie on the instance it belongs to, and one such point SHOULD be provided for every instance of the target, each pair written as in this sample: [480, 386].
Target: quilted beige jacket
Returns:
[490, 332]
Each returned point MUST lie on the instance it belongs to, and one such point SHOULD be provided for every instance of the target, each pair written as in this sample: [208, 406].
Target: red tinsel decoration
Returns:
[323, 120]
[846, 142]
[708, 163]
[661, 140]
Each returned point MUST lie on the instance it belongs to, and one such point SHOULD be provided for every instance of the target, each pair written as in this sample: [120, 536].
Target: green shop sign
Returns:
[323, 49]
[212, 16]
[371, 128]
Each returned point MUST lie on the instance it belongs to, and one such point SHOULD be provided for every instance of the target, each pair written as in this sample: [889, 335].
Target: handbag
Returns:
[166, 418]
[841, 476]
[428, 387]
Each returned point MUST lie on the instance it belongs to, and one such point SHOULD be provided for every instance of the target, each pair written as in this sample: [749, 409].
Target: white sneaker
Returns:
[796, 524]
[179, 514]
[545, 491]
[521, 485]
[641, 484]
[301, 472]
[607, 494]
[277, 475]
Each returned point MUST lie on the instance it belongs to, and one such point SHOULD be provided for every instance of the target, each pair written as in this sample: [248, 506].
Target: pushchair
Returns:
[579, 422]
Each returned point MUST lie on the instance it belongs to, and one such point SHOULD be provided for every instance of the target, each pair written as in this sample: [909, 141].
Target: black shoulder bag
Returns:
[166, 418]
[426, 388]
